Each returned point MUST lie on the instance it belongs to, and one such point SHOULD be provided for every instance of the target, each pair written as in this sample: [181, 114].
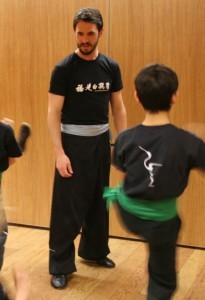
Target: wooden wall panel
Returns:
[169, 32]
[34, 36]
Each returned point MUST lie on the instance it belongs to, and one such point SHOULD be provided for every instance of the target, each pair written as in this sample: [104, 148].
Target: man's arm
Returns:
[118, 111]
[55, 105]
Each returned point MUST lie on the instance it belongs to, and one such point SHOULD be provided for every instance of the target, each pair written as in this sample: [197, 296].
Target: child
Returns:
[155, 159]
[10, 149]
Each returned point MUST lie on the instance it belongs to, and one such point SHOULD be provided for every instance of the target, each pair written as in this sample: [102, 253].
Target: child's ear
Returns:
[175, 97]
[136, 97]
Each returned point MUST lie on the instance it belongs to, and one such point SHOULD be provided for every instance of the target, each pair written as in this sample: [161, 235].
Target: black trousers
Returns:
[161, 238]
[78, 204]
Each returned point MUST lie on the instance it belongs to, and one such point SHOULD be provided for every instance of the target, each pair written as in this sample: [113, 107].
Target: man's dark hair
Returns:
[155, 86]
[91, 15]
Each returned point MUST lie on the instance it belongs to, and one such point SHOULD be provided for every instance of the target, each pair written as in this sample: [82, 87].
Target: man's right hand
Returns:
[63, 166]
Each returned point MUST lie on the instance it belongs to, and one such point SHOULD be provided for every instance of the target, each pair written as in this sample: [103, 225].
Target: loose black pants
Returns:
[161, 238]
[78, 204]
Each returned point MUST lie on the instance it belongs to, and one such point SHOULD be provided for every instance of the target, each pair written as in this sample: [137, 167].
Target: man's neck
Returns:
[91, 56]
[156, 119]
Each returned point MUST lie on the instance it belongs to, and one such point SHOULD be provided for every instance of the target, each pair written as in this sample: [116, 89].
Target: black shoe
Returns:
[105, 262]
[59, 281]
[24, 133]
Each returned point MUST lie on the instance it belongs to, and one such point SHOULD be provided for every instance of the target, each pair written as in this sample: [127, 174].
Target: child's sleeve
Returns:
[11, 145]
[8, 148]
[199, 161]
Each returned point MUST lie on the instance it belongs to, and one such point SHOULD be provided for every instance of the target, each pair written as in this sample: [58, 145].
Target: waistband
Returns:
[153, 210]
[84, 130]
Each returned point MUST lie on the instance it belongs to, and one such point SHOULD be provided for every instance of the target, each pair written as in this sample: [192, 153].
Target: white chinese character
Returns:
[101, 86]
[80, 88]
[107, 86]
[95, 86]
[88, 87]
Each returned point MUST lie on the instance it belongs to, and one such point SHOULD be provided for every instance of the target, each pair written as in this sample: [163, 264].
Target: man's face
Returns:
[87, 37]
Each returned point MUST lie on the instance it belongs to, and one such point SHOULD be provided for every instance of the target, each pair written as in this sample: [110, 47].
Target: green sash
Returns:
[154, 210]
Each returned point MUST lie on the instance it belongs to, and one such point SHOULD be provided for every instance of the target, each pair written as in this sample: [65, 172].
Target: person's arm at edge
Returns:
[55, 105]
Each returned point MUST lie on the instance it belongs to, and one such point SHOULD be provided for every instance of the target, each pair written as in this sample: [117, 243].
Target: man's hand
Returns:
[63, 166]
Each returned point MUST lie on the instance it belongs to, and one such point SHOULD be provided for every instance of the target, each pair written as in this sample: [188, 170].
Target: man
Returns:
[82, 86]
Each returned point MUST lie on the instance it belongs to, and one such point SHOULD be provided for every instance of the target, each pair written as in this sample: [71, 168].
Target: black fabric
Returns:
[157, 160]
[87, 87]
[161, 238]
[3, 295]
[3, 238]
[78, 203]
[8, 146]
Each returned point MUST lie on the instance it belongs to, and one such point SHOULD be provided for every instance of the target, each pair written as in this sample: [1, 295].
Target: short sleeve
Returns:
[11, 145]
[117, 80]
[58, 82]
[8, 148]
[199, 160]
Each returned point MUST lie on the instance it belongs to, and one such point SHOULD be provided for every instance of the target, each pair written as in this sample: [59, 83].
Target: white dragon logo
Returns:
[150, 166]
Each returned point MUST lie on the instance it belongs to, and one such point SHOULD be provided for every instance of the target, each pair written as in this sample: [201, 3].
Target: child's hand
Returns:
[8, 121]
[22, 283]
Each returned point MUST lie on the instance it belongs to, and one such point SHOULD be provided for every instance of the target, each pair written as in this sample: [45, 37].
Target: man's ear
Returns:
[175, 97]
[101, 32]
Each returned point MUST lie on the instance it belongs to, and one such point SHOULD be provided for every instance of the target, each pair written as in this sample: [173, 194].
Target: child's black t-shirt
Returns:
[8, 146]
[157, 160]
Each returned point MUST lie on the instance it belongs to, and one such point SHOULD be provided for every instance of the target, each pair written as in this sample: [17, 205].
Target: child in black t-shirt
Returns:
[10, 149]
[155, 159]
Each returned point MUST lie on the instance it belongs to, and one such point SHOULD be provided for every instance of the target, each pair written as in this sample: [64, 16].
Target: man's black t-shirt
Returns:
[8, 146]
[157, 160]
[87, 86]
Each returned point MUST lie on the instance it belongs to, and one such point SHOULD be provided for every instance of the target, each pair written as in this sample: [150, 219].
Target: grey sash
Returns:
[84, 130]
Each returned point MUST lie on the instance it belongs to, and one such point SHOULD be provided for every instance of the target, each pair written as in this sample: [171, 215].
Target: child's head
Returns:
[155, 87]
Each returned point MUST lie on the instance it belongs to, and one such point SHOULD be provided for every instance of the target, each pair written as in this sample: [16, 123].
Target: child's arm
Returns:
[12, 160]
[120, 175]
[8, 121]
[22, 283]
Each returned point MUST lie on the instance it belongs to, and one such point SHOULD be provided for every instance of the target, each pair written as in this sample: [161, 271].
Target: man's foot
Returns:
[104, 262]
[24, 133]
[59, 281]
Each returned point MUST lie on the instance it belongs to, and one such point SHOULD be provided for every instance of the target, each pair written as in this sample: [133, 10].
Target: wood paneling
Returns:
[169, 32]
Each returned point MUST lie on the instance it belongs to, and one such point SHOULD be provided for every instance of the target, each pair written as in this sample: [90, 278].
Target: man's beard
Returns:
[87, 51]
